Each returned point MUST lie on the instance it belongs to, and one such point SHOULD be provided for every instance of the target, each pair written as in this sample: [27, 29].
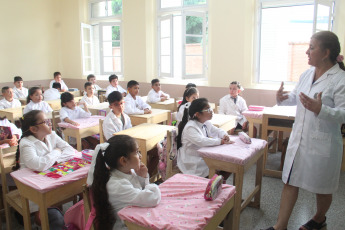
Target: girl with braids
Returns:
[39, 149]
[189, 95]
[35, 101]
[118, 179]
[195, 132]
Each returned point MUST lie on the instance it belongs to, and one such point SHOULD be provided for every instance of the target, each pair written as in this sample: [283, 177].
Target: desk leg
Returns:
[79, 147]
[26, 213]
[258, 181]
[44, 216]
[251, 129]
[143, 150]
[238, 180]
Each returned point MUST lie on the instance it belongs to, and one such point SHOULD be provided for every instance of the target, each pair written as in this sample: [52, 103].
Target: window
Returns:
[182, 38]
[284, 35]
[101, 41]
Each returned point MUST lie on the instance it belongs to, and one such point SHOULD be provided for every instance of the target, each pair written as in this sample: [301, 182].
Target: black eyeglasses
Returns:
[46, 121]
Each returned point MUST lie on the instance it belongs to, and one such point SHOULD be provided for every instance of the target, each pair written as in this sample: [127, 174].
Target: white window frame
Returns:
[83, 42]
[91, 18]
[102, 72]
[160, 73]
[281, 3]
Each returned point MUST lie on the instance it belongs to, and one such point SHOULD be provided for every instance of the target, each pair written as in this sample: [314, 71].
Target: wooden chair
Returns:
[101, 134]
[55, 119]
[12, 198]
[87, 204]
[170, 169]
[101, 96]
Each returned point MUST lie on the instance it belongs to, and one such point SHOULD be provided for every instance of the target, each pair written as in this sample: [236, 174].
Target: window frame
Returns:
[87, 26]
[119, 16]
[159, 55]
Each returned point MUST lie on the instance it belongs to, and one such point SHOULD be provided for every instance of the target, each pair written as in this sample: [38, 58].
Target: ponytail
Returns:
[187, 93]
[341, 65]
[181, 127]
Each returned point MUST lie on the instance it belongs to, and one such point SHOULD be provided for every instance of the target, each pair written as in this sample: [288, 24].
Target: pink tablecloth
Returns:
[253, 114]
[182, 206]
[43, 183]
[84, 122]
[239, 152]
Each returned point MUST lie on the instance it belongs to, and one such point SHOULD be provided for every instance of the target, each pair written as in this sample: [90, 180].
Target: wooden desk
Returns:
[52, 196]
[169, 104]
[157, 116]
[75, 93]
[225, 122]
[94, 109]
[280, 119]
[253, 117]
[147, 136]
[12, 114]
[23, 101]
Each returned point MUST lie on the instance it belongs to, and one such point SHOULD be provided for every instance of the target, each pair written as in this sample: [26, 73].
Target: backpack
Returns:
[167, 157]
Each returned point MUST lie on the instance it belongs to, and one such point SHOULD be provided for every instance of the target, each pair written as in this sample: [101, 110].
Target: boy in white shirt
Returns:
[8, 101]
[89, 98]
[53, 93]
[92, 78]
[57, 78]
[156, 94]
[134, 104]
[114, 86]
[18, 90]
[234, 104]
[116, 119]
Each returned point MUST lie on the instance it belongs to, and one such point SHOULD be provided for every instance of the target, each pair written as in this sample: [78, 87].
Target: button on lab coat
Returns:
[315, 147]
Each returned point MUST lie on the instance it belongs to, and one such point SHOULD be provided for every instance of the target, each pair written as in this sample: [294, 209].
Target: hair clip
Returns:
[22, 117]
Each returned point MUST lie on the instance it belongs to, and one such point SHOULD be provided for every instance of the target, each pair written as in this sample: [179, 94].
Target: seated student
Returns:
[39, 149]
[35, 102]
[119, 179]
[52, 93]
[114, 86]
[116, 119]
[89, 98]
[195, 133]
[18, 90]
[156, 94]
[92, 78]
[16, 133]
[8, 101]
[57, 78]
[134, 104]
[234, 104]
[189, 95]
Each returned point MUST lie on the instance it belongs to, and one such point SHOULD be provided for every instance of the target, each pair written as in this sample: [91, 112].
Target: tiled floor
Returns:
[254, 219]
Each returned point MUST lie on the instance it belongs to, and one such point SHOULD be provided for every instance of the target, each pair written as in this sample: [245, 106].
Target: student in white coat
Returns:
[196, 133]
[134, 104]
[114, 86]
[18, 90]
[119, 179]
[8, 101]
[89, 98]
[57, 78]
[116, 120]
[92, 78]
[156, 94]
[313, 157]
[53, 93]
[35, 101]
[39, 149]
[189, 95]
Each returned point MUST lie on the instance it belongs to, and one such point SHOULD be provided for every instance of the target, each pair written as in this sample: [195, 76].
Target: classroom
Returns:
[211, 43]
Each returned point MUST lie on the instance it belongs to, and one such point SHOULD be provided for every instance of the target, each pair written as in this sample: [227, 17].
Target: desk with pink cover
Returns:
[237, 158]
[182, 206]
[45, 191]
[88, 127]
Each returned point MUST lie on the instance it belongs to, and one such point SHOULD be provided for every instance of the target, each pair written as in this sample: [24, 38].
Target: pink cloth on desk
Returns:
[253, 114]
[84, 122]
[239, 152]
[43, 183]
[182, 206]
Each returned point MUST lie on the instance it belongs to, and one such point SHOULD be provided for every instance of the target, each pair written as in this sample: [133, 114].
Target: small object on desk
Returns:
[72, 89]
[102, 112]
[256, 108]
[245, 138]
[214, 187]
[86, 154]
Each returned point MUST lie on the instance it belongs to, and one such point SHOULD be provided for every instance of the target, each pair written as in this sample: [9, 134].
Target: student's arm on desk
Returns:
[151, 97]
[193, 135]
[67, 152]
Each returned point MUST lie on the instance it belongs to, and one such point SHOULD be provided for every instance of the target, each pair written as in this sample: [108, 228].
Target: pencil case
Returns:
[245, 138]
[214, 187]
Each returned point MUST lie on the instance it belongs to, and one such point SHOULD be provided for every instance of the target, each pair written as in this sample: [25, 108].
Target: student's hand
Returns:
[226, 142]
[311, 104]
[13, 141]
[142, 171]
[163, 98]
[226, 138]
[281, 94]
[75, 123]
[147, 111]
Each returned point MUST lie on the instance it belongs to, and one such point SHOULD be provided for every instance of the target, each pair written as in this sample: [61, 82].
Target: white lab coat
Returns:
[228, 107]
[193, 138]
[12, 126]
[315, 147]
[179, 114]
[63, 85]
[135, 106]
[20, 93]
[90, 100]
[5, 104]
[72, 114]
[111, 89]
[44, 106]
[154, 97]
[51, 94]
[113, 124]
[127, 189]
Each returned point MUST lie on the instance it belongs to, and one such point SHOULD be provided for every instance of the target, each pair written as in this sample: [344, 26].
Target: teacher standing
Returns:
[314, 153]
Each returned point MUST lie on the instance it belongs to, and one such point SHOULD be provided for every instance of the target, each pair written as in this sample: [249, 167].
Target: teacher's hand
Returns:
[280, 93]
[311, 104]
